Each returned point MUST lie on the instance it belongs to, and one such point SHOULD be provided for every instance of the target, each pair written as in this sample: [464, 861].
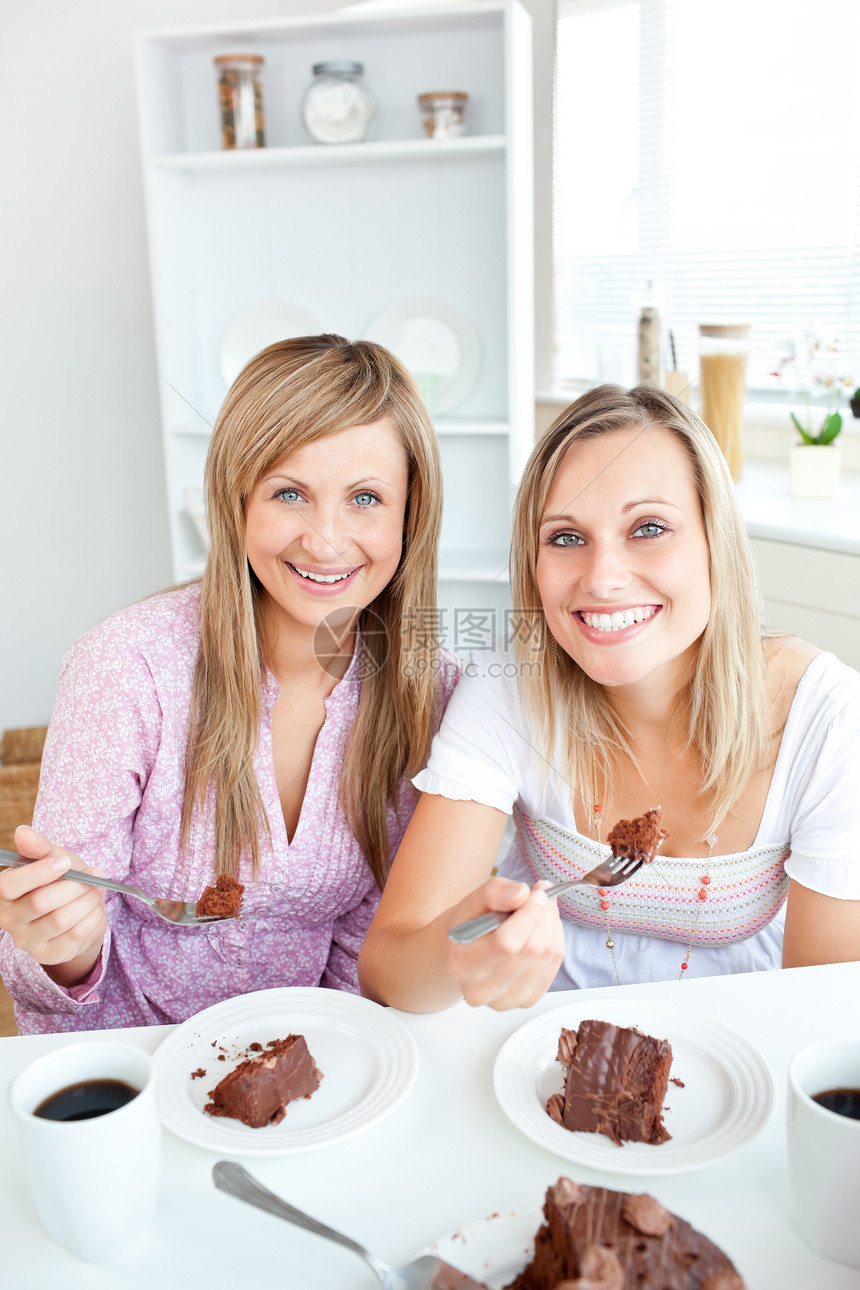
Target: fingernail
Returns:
[61, 864]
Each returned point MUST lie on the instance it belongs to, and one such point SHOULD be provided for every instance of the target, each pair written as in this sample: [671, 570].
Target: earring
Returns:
[553, 651]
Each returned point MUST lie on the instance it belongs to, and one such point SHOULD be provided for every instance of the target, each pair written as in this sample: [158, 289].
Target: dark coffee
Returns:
[844, 1101]
[86, 1100]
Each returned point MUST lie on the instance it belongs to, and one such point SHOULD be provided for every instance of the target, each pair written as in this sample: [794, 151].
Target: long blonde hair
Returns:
[291, 394]
[725, 707]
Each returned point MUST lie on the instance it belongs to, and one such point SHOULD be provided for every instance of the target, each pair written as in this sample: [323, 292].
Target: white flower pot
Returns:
[813, 470]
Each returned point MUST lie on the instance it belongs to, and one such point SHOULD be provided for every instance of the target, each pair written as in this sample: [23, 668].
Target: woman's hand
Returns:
[513, 966]
[61, 924]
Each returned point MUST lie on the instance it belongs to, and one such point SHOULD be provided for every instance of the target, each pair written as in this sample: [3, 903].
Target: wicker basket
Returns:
[20, 754]
[17, 747]
[18, 788]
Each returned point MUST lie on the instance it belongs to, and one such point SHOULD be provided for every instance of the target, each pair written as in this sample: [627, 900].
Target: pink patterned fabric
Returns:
[111, 790]
[744, 893]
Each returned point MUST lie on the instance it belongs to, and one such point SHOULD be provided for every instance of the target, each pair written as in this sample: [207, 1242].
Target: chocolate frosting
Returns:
[258, 1090]
[615, 1082]
[588, 1243]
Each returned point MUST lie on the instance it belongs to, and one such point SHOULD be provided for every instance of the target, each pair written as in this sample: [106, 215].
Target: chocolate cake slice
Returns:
[258, 1090]
[615, 1082]
[637, 839]
[596, 1239]
[224, 900]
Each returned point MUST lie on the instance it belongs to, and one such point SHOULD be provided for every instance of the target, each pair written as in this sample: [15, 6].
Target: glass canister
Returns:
[443, 113]
[240, 98]
[337, 106]
[723, 353]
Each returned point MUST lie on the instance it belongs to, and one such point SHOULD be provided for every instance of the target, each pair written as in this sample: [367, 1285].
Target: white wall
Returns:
[84, 521]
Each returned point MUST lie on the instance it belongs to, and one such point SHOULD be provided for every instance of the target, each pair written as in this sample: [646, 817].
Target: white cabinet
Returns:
[342, 233]
[812, 593]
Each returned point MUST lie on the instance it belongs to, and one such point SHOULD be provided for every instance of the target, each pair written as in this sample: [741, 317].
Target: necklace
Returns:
[710, 842]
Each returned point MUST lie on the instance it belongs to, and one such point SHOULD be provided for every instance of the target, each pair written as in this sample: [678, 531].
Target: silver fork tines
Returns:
[182, 913]
[609, 873]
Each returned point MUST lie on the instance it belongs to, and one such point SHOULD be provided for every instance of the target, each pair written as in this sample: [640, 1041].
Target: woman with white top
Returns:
[637, 674]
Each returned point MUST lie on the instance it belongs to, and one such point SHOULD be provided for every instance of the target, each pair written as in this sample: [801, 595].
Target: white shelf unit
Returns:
[345, 232]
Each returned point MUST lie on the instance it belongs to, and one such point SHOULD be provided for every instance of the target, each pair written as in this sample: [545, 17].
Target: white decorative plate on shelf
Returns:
[368, 1058]
[727, 1092]
[259, 325]
[432, 339]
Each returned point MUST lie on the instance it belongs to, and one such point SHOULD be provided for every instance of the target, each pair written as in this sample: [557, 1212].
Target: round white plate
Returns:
[259, 325]
[728, 1095]
[493, 1250]
[431, 338]
[368, 1058]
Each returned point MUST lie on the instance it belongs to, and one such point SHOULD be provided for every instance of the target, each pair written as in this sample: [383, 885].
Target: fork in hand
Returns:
[609, 873]
[182, 913]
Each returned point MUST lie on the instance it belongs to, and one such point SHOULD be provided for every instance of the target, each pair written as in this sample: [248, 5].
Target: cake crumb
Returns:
[679, 1082]
[637, 839]
[224, 900]
[199, 1073]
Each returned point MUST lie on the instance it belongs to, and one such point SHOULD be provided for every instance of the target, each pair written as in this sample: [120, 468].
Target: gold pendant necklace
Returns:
[702, 895]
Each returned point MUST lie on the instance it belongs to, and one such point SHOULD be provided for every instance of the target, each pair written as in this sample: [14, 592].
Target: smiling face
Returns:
[324, 527]
[622, 565]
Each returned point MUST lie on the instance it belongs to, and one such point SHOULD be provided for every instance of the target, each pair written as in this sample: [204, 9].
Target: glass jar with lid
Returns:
[240, 98]
[723, 352]
[337, 106]
[443, 113]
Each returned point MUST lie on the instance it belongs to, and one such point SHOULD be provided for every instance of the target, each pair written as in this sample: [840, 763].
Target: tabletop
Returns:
[447, 1157]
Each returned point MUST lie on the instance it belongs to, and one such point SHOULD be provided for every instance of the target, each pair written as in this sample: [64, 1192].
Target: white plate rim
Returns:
[393, 1043]
[297, 321]
[518, 1060]
[386, 325]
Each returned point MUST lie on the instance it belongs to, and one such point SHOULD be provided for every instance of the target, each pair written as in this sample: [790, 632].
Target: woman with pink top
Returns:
[262, 722]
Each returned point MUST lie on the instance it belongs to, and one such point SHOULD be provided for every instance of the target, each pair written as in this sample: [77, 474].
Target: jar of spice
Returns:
[337, 106]
[240, 97]
[723, 351]
[443, 113]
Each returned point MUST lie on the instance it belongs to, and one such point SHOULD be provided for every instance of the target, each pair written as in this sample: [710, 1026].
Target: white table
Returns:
[446, 1157]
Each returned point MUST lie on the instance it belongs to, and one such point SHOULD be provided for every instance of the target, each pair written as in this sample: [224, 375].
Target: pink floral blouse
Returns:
[111, 791]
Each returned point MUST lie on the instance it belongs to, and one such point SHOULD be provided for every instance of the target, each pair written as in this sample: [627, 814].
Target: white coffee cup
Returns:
[824, 1151]
[94, 1182]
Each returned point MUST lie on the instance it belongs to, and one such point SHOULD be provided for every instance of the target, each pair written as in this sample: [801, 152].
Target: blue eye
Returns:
[288, 494]
[655, 527]
[564, 539]
[365, 499]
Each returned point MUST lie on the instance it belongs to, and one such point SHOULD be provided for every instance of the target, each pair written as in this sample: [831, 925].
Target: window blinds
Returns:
[711, 150]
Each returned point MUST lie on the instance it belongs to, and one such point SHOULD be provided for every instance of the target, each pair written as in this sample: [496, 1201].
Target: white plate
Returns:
[368, 1058]
[493, 1250]
[431, 338]
[259, 325]
[729, 1088]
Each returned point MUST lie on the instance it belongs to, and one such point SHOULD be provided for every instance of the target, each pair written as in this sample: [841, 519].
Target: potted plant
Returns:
[855, 402]
[815, 463]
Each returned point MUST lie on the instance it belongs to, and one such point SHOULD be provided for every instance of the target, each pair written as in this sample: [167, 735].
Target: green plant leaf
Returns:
[804, 434]
[830, 429]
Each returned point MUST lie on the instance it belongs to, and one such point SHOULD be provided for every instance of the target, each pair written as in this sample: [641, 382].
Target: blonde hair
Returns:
[725, 706]
[291, 394]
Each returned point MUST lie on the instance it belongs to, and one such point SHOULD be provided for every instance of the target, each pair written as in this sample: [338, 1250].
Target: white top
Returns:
[487, 751]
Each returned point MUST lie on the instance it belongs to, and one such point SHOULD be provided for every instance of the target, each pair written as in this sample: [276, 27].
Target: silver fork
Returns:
[179, 912]
[427, 1272]
[609, 873]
